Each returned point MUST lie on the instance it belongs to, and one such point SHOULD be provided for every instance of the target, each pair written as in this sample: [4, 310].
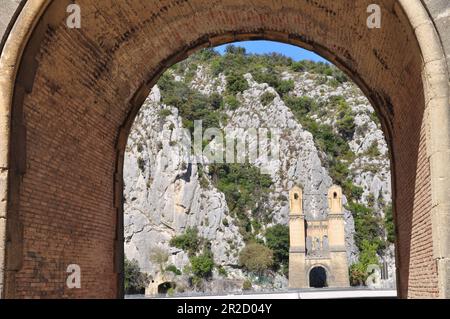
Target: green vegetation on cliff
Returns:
[246, 189]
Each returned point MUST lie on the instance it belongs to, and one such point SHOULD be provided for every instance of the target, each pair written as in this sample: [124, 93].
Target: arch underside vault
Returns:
[69, 97]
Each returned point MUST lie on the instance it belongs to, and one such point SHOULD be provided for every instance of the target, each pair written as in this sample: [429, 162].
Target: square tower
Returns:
[317, 254]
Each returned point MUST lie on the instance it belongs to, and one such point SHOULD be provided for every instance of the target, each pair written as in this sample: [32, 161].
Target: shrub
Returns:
[357, 274]
[189, 241]
[164, 113]
[389, 224]
[300, 105]
[352, 191]
[171, 292]
[202, 265]
[267, 98]
[141, 164]
[373, 150]
[204, 183]
[322, 68]
[236, 83]
[216, 101]
[267, 75]
[231, 101]
[233, 49]
[247, 285]
[191, 104]
[368, 227]
[135, 280]
[174, 269]
[346, 120]
[222, 271]
[367, 256]
[245, 189]
[159, 256]
[285, 87]
[256, 258]
[277, 239]
[346, 126]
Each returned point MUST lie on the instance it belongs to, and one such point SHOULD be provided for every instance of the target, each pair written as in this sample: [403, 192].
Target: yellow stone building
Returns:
[317, 255]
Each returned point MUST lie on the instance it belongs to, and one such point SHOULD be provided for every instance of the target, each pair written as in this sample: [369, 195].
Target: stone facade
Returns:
[317, 242]
[69, 96]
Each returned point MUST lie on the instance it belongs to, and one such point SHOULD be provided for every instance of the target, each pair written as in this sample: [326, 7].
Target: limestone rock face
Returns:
[164, 194]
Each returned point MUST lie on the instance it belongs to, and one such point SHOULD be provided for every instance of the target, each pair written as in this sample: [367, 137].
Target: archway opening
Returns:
[318, 277]
[174, 205]
[166, 288]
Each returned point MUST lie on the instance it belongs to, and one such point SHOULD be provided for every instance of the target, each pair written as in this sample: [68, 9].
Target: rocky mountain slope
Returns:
[328, 133]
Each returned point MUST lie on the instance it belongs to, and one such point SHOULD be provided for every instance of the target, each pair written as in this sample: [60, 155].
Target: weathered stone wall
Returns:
[78, 90]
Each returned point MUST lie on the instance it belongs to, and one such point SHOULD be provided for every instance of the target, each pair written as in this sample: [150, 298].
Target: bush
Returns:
[321, 68]
[277, 239]
[159, 256]
[189, 241]
[222, 271]
[202, 265]
[141, 164]
[233, 49]
[373, 150]
[256, 258]
[300, 106]
[135, 280]
[191, 104]
[346, 120]
[164, 113]
[232, 102]
[352, 191]
[389, 224]
[368, 227]
[247, 285]
[285, 87]
[346, 126]
[174, 269]
[216, 101]
[246, 190]
[236, 83]
[367, 256]
[171, 292]
[267, 98]
[357, 274]
[204, 183]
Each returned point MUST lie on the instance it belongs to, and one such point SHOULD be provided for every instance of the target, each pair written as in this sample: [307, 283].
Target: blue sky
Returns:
[261, 47]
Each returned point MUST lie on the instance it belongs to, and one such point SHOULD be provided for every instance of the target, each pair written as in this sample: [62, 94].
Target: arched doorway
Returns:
[69, 97]
[165, 287]
[318, 277]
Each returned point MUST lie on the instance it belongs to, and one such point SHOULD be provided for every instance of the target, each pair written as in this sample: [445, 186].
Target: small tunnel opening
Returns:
[164, 288]
[318, 277]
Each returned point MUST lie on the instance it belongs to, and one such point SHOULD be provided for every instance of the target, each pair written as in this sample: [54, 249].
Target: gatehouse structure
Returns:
[317, 254]
[69, 96]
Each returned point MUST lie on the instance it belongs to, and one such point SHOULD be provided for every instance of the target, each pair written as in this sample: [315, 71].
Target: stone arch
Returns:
[69, 98]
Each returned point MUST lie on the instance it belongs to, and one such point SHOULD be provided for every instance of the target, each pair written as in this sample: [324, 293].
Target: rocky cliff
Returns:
[166, 192]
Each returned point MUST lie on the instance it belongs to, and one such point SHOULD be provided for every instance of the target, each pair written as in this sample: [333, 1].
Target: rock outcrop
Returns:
[164, 194]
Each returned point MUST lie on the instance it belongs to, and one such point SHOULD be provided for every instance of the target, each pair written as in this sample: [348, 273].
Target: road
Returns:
[324, 293]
